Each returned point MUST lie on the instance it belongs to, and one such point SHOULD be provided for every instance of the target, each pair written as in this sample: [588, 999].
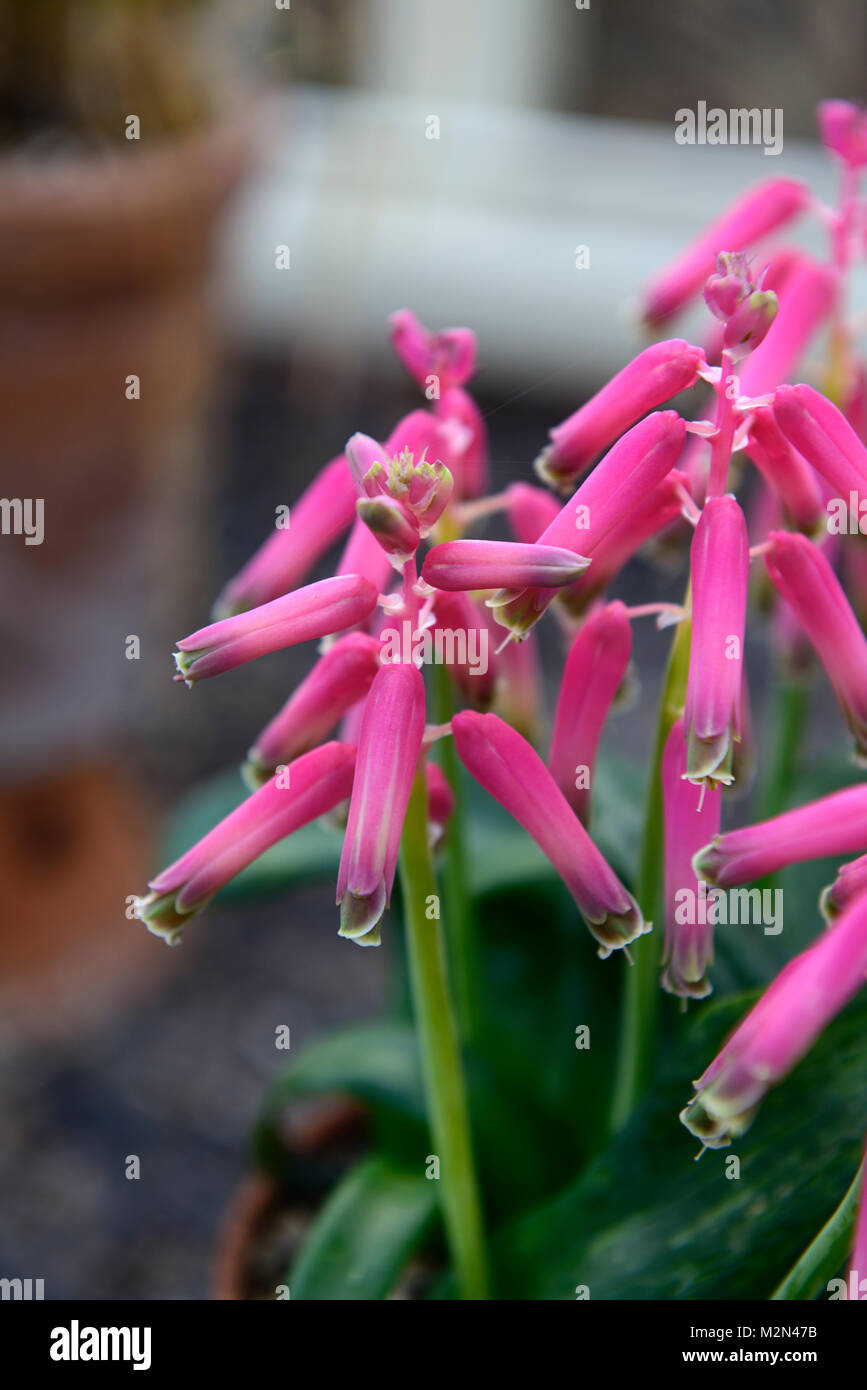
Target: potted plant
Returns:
[522, 1108]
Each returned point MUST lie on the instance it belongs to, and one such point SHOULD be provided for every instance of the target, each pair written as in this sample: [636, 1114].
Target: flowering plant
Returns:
[547, 1108]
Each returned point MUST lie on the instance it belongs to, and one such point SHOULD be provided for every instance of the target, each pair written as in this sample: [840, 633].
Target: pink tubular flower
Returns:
[592, 676]
[786, 471]
[530, 510]
[620, 481]
[764, 209]
[802, 574]
[507, 767]
[850, 883]
[843, 131]
[317, 610]
[308, 788]
[719, 568]
[389, 745]
[690, 819]
[737, 300]
[470, 564]
[807, 994]
[833, 825]
[807, 301]
[317, 519]
[824, 436]
[655, 513]
[341, 677]
[448, 356]
[652, 378]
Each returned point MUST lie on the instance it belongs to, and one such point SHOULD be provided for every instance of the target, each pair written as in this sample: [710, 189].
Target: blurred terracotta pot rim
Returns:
[111, 223]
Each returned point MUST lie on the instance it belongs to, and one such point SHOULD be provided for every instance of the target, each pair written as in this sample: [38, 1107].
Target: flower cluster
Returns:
[634, 470]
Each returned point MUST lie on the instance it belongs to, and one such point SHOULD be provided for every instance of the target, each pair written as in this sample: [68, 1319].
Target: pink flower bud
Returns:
[655, 375]
[766, 208]
[394, 527]
[843, 131]
[824, 436]
[691, 819]
[308, 788]
[331, 605]
[448, 356]
[786, 471]
[802, 574]
[464, 635]
[783, 1025]
[508, 768]
[341, 677]
[594, 671]
[719, 568]
[470, 564]
[389, 746]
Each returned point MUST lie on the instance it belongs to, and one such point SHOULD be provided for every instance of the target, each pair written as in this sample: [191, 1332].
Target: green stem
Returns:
[440, 1051]
[826, 1253]
[640, 1016]
[461, 938]
[792, 698]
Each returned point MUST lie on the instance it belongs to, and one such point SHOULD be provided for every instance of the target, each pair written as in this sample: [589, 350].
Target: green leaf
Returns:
[645, 1221]
[362, 1237]
[376, 1062]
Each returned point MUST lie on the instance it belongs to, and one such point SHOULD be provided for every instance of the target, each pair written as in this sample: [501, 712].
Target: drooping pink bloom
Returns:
[690, 818]
[317, 610]
[321, 515]
[463, 637]
[440, 804]
[652, 378]
[592, 675]
[619, 482]
[448, 356]
[530, 511]
[473, 564]
[766, 208]
[834, 825]
[824, 436]
[719, 569]
[392, 727]
[804, 305]
[850, 883]
[309, 787]
[341, 677]
[807, 994]
[802, 574]
[662, 506]
[843, 131]
[464, 439]
[507, 767]
[786, 471]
